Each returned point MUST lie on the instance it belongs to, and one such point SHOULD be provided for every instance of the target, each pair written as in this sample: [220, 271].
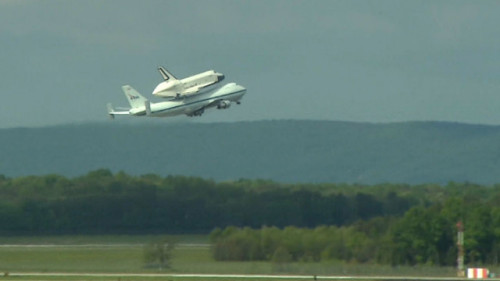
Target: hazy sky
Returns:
[377, 61]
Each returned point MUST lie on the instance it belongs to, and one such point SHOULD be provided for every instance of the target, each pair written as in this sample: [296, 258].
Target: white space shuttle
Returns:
[174, 88]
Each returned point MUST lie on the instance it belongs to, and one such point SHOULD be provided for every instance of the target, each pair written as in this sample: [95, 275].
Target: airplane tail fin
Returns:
[165, 74]
[134, 98]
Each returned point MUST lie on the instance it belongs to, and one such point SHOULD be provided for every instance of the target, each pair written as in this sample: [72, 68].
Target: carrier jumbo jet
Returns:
[174, 88]
[220, 98]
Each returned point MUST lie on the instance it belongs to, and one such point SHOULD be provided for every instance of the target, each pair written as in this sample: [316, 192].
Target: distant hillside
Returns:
[285, 151]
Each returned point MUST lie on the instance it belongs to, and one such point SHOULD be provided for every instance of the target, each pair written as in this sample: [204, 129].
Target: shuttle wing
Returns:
[190, 91]
[194, 90]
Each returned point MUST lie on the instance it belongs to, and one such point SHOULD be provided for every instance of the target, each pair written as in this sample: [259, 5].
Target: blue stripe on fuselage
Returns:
[198, 101]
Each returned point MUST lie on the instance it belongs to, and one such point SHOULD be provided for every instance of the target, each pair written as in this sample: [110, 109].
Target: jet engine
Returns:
[198, 112]
[223, 104]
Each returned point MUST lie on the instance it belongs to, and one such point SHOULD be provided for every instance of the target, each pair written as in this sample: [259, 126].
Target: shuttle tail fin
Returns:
[134, 98]
[165, 74]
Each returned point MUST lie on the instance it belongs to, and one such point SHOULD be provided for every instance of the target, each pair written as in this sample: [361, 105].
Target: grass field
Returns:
[125, 254]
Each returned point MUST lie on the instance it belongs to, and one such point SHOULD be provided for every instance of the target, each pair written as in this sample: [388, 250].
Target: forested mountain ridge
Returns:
[285, 151]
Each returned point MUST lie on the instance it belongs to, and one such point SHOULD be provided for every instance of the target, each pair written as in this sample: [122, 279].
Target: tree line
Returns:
[105, 203]
[423, 235]
[264, 220]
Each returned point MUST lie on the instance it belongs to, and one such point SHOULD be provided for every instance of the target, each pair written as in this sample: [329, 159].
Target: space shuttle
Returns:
[173, 88]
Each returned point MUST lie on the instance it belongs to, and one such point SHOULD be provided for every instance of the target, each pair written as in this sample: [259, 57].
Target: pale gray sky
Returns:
[377, 61]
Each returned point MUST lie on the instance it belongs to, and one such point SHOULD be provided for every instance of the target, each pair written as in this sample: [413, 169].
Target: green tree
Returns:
[159, 253]
[421, 236]
[479, 234]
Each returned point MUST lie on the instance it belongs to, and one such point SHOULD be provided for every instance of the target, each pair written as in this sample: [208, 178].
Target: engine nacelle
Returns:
[223, 104]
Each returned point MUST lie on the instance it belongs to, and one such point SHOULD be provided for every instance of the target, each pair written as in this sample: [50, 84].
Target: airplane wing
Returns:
[213, 102]
[219, 103]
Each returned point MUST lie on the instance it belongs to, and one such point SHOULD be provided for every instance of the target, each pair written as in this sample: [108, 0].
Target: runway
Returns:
[237, 276]
[98, 245]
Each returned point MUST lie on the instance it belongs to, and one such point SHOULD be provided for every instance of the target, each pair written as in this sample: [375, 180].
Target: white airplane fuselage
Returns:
[220, 97]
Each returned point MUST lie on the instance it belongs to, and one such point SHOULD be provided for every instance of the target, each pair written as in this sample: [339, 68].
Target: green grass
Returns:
[124, 254]
[129, 259]
[98, 239]
[84, 253]
[70, 259]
